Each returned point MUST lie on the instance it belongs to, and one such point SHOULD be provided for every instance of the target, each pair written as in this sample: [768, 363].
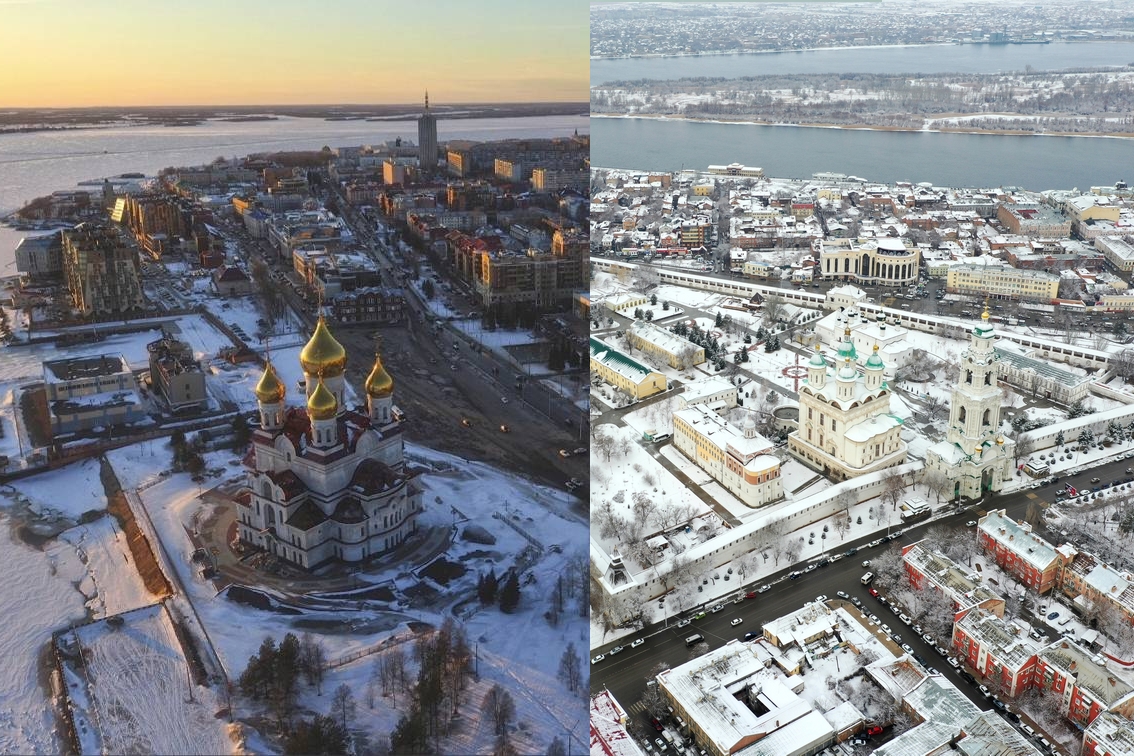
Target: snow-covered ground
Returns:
[137, 687]
[67, 492]
[521, 651]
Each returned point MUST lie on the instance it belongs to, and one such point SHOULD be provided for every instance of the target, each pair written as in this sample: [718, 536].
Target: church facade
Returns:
[845, 426]
[974, 454]
[325, 482]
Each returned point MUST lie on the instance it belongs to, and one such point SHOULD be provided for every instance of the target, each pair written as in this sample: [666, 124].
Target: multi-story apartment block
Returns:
[102, 273]
[999, 650]
[1083, 683]
[885, 261]
[552, 180]
[1034, 220]
[656, 341]
[1109, 735]
[369, 304]
[1014, 547]
[741, 460]
[535, 280]
[1002, 282]
[1087, 208]
[625, 373]
[40, 256]
[1118, 252]
[1095, 581]
[964, 590]
[176, 374]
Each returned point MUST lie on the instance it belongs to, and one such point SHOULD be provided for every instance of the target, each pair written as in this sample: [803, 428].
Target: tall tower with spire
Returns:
[974, 454]
[427, 138]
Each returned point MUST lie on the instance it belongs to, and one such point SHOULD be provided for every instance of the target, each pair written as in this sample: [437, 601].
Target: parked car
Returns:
[873, 730]
[970, 523]
[683, 623]
[842, 594]
[637, 643]
[764, 588]
[598, 658]
[615, 650]
[717, 608]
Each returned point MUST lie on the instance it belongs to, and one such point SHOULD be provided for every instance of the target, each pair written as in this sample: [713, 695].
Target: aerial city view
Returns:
[862, 378]
[294, 416]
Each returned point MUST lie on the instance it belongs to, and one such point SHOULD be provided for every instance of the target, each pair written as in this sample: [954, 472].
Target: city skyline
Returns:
[359, 54]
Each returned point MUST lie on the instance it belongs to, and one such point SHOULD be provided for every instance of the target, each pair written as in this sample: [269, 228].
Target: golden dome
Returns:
[379, 384]
[270, 389]
[984, 315]
[322, 405]
[323, 355]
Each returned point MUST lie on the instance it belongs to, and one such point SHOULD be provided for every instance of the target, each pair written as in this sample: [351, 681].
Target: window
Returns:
[988, 379]
[833, 423]
[968, 376]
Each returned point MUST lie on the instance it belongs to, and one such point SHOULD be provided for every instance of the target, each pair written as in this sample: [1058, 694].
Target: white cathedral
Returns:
[326, 482]
[974, 455]
[845, 425]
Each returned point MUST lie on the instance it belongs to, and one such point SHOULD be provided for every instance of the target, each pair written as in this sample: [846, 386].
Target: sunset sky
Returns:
[71, 53]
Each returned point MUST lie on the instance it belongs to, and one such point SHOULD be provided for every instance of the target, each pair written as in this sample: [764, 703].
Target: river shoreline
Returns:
[864, 127]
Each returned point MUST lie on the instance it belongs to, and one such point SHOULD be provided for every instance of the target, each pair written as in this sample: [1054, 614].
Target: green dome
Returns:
[847, 371]
[875, 362]
[846, 349]
[817, 360]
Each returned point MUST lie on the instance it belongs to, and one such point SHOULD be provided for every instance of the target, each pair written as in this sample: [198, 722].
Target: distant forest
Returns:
[1075, 101]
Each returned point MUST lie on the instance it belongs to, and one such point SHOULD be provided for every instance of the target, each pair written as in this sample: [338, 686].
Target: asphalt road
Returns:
[625, 674]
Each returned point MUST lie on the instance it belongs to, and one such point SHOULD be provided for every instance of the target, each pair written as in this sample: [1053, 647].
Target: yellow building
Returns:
[1003, 282]
[675, 351]
[626, 374]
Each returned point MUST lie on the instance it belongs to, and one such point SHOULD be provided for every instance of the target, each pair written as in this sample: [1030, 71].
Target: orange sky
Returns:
[72, 53]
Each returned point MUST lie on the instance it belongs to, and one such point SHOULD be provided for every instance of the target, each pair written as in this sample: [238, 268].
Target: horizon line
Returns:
[297, 105]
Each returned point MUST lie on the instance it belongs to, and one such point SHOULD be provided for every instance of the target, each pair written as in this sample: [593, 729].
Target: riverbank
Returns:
[863, 127]
[769, 52]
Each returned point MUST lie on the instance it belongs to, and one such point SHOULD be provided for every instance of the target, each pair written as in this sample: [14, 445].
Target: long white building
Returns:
[740, 460]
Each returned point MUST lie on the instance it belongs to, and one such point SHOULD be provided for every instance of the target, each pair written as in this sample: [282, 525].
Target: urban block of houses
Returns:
[715, 392]
[963, 588]
[624, 372]
[1018, 550]
[999, 650]
[741, 460]
[1002, 282]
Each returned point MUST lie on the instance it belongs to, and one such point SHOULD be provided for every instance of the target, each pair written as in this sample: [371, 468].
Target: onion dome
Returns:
[984, 328]
[875, 362]
[847, 371]
[817, 360]
[1000, 440]
[846, 349]
[270, 389]
[323, 355]
[322, 405]
[379, 384]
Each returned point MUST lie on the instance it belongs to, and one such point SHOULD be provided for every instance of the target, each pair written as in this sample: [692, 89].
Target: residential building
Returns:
[609, 734]
[91, 392]
[845, 425]
[176, 374]
[1118, 252]
[1033, 220]
[369, 304]
[1088, 207]
[41, 256]
[999, 650]
[552, 180]
[1013, 545]
[102, 272]
[964, 589]
[1109, 735]
[625, 373]
[1039, 377]
[231, 281]
[741, 460]
[1089, 582]
[664, 345]
[1083, 683]
[327, 483]
[885, 261]
[427, 138]
[1002, 282]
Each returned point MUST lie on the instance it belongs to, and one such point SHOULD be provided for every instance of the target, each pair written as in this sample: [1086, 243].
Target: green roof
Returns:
[616, 360]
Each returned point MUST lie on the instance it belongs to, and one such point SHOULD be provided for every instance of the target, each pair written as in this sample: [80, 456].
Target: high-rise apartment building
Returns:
[427, 138]
[101, 271]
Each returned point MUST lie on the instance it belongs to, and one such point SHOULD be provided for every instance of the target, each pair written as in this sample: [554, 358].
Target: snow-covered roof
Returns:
[609, 736]
[1018, 538]
[802, 626]
[727, 438]
[698, 391]
[1003, 640]
[943, 710]
[660, 337]
[990, 735]
[619, 362]
[1091, 672]
[868, 429]
[1011, 354]
[1113, 731]
[962, 587]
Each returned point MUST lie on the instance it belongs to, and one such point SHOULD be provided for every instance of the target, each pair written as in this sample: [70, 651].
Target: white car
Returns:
[736, 621]
[598, 658]
[637, 643]
[821, 598]
[865, 563]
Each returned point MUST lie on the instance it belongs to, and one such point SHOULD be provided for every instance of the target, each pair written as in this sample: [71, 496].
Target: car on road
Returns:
[504, 428]
[856, 601]
[931, 671]
[905, 619]
[699, 615]
[564, 453]
[615, 650]
[717, 608]
[850, 552]
[637, 643]
[970, 523]
[1000, 705]
[1052, 615]
[750, 636]
[865, 563]
[985, 691]
[581, 450]
[795, 575]
[764, 588]
[874, 618]
[1028, 730]
[927, 638]
[886, 629]
[906, 648]
[842, 594]
[968, 678]
[657, 724]
[874, 592]
[821, 598]
[683, 623]
[809, 568]
[736, 621]
[954, 663]
[598, 658]
[466, 422]
[874, 543]
[750, 595]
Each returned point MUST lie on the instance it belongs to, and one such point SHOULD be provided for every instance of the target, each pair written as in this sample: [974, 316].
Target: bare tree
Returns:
[889, 569]
[773, 310]
[792, 549]
[894, 487]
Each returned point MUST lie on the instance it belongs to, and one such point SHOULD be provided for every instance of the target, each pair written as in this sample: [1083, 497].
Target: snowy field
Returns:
[521, 651]
[111, 584]
[136, 686]
[67, 492]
